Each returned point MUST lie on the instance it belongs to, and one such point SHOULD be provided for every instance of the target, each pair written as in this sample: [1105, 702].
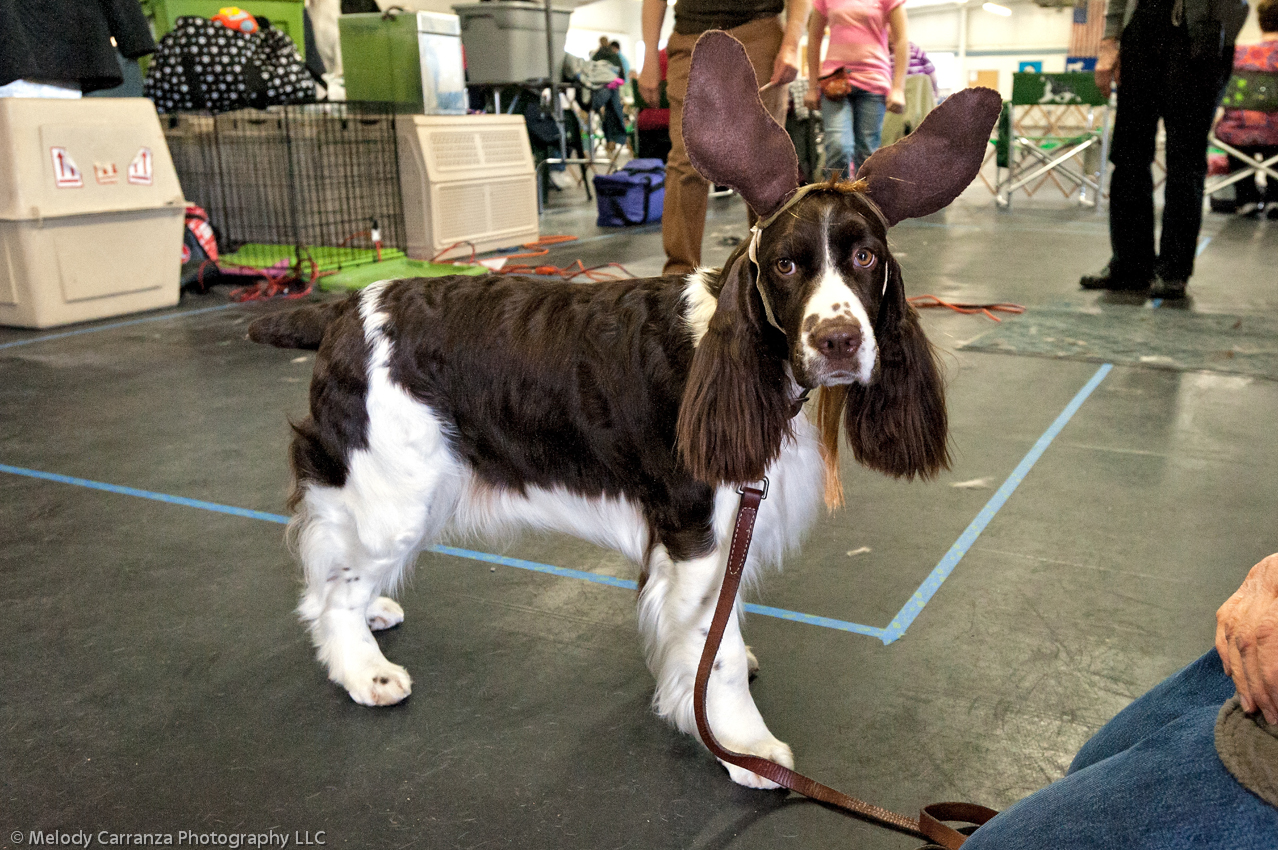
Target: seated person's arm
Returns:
[1247, 639]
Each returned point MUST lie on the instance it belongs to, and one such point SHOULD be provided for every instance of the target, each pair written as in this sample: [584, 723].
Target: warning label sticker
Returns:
[107, 173]
[65, 172]
[141, 168]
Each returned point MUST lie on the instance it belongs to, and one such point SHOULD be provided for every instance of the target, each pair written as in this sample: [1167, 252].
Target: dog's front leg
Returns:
[675, 610]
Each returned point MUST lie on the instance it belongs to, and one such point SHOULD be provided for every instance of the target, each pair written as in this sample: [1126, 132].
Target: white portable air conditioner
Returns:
[466, 178]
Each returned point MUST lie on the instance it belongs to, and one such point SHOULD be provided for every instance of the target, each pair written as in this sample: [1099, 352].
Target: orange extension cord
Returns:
[923, 302]
[537, 249]
[280, 284]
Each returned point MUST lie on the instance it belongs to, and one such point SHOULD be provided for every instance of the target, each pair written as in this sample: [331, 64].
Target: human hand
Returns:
[1247, 639]
[785, 69]
[650, 84]
[1106, 72]
[896, 100]
[812, 98]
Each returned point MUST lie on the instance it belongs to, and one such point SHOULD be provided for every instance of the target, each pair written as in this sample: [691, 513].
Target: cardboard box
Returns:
[91, 213]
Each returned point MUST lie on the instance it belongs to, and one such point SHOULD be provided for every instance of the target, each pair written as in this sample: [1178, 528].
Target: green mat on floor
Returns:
[347, 268]
[260, 256]
[1166, 337]
[358, 277]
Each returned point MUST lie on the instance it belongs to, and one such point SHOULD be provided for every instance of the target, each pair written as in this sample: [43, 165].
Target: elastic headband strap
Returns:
[753, 250]
[753, 253]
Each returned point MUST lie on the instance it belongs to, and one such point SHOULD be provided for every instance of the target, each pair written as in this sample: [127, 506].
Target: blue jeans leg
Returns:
[853, 129]
[1202, 684]
[1149, 780]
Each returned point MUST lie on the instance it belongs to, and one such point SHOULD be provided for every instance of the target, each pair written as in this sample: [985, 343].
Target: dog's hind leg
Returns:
[356, 542]
[675, 609]
[346, 569]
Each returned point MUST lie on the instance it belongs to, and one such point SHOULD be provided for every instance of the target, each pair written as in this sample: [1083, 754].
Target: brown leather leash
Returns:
[931, 822]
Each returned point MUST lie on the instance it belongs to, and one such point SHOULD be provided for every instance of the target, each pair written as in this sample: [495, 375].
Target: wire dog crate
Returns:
[313, 188]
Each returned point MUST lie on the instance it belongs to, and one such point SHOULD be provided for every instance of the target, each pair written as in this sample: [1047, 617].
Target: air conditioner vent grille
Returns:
[454, 150]
[502, 147]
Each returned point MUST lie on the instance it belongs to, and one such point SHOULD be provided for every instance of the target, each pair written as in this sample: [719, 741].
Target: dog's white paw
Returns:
[770, 749]
[752, 663]
[382, 684]
[384, 613]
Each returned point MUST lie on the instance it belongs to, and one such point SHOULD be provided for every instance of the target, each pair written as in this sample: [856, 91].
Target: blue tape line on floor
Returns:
[144, 494]
[942, 570]
[902, 621]
[814, 620]
[521, 564]
[180, 315]
[564, 572]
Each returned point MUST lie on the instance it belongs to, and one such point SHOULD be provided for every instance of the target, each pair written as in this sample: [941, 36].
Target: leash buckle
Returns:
[741, 488]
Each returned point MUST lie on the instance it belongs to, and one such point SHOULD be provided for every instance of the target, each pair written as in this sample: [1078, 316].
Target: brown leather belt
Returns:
[931, 822]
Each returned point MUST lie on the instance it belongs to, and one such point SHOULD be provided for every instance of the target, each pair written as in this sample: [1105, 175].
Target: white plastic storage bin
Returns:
[505, 40]
[91, 213]
[466, 178]
[443, 74]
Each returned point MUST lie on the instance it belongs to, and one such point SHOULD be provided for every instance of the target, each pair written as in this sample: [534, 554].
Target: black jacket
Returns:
[69, 41]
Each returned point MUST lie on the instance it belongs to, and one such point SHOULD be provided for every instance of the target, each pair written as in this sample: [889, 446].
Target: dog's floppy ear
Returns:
[736, 408]
[927, 169]
[730, 137]
[898, 424]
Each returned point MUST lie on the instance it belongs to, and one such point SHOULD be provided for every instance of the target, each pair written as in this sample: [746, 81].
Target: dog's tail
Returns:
[300, 328]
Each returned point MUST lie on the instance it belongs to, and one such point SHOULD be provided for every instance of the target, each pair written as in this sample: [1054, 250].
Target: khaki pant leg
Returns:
[683, 217]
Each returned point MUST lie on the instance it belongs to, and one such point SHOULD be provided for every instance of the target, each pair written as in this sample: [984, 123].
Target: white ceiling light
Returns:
[997, 9]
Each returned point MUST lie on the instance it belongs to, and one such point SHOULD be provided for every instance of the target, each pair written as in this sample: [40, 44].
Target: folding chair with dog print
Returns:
[1058, 132]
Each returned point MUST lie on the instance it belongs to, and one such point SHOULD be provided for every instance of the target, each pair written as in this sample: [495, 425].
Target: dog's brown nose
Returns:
[837, 340]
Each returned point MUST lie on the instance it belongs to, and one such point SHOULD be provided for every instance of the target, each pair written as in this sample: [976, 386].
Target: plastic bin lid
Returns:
[76, 157]
[438, 23]
[493, 7]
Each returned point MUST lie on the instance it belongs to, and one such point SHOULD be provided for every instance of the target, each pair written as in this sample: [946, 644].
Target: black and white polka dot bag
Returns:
[202, 65]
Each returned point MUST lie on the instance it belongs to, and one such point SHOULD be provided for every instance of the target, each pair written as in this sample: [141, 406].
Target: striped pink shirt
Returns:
[859, 41]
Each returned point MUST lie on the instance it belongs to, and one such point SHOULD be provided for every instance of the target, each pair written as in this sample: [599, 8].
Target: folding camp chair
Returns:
[1057, 129]
[1257, 92]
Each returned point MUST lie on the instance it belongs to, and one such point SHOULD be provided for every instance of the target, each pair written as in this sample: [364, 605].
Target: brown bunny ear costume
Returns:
[898, 423]
[733, 141]
[730, 137]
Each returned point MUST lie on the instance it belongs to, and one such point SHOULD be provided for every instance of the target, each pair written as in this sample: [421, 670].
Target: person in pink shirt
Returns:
[861, 32]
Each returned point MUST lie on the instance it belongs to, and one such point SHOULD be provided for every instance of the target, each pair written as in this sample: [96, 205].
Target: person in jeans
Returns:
[773, 48]
[860, 34]
[1170, 59]
[1191, 764]
[1252, 132]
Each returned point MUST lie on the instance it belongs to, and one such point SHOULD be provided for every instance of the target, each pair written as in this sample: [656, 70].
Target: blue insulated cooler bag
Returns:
[633, 195]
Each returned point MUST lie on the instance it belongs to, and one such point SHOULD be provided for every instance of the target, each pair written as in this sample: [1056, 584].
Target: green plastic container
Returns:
[413, 59]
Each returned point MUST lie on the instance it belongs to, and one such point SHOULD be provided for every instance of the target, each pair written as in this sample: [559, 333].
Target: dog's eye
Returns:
[786, 266]
[864, 258]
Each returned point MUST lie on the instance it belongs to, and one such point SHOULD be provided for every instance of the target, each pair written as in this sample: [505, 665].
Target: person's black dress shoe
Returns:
[1104, 279]
[1168, 288]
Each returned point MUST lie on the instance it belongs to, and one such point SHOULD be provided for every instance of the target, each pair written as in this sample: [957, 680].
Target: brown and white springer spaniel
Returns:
[625, 412]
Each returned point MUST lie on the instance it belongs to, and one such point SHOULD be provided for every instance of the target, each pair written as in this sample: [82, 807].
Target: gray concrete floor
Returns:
[155, 678]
